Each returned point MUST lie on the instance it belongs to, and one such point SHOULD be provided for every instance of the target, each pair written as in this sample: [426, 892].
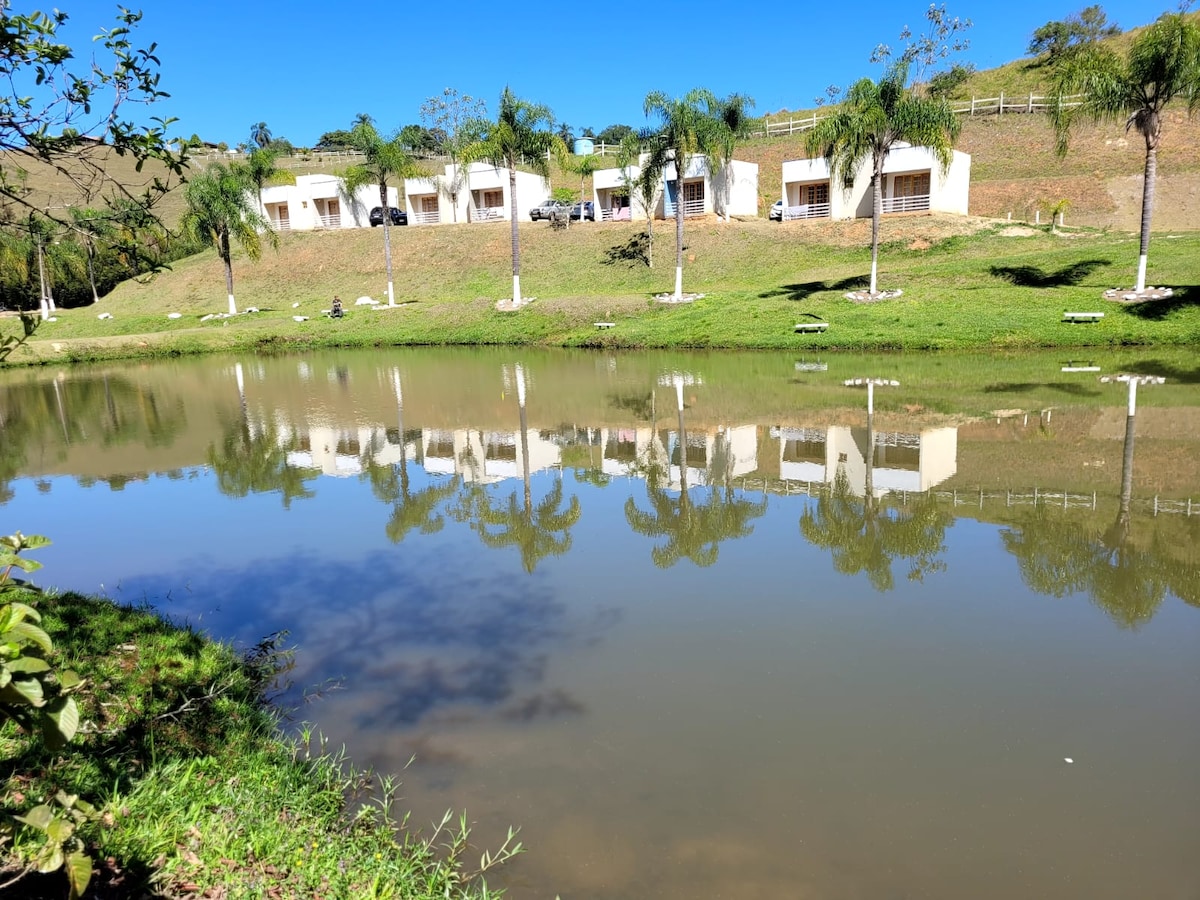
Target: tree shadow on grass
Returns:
[1172, 373]
[1157, 310]
[1032, 276]
[803, 290]
[635, 251]
[1074, 388]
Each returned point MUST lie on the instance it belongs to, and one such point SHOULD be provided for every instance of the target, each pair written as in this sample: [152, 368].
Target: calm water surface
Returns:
[696, 623]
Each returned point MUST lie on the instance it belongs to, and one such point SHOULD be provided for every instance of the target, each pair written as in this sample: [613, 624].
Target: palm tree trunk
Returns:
[454, 190]
[876, 210]
[387, 240]
[91, 266]
[679, 164]
[223, 251]
[43, 306]
[516, 242]
[1147, 209]
[524, 441]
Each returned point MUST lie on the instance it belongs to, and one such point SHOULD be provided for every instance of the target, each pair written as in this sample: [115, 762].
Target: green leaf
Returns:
[36, 542]
[59, 830]
[79, 873]
[28, 665]
[26, 565]
[24, 611]
[50, 861]
[27, 691]
[68, 680]
[39, 817]
[24, 631]
[60, 721]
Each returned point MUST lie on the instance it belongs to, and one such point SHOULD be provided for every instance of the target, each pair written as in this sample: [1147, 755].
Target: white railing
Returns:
[807, 211]
[424, 218]
[607, 214]
[283, 224]
[485, 213]
[333, 221]
[690, 208]
[905, 204]
[976, 106]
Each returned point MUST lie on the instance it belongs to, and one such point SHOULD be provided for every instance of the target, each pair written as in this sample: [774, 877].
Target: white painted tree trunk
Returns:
[232, 306]
[678, 283]
[1141, 273]
[516, 289]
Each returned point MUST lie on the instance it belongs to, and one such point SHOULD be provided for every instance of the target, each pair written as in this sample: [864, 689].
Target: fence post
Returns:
[972, 105]
[1000, 105]
[1030, 102]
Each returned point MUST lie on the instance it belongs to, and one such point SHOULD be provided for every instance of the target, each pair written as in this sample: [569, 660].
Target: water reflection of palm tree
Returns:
[865, 537]
[1058, 556]
[537, 531]
[390, 483]
[248, 463]
[692, 532]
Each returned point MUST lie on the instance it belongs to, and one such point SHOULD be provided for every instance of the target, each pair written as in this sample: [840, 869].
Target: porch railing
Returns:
[806, 211]
[283, 224]
[607, 214]
[333, 221]
[905, 204]
[425, 218]
[484, 213]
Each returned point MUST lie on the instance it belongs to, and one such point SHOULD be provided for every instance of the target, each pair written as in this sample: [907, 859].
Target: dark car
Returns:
[588, 212]
[546, 209]
[399, 216]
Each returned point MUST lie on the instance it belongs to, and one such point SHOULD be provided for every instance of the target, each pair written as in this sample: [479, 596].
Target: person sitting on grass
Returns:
[336, 312]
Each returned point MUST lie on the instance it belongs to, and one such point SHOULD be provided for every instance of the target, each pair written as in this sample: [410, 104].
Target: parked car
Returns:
[546, 209]
[776, 213]
[588, 212]
[399, 216]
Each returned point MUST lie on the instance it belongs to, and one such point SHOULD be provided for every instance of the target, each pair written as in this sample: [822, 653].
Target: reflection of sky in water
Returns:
[762, 727]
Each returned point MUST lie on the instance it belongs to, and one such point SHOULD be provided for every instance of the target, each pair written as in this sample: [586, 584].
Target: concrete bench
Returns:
[806, 327]
[1082, 316]
[605, 324]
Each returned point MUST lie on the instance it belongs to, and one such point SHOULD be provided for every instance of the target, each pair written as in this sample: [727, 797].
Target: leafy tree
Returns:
[1058, 38]
[875, 117]
[614, 134]
[92, 226]
[219, 211]
[1162, 65]
[732, 123]
[454, 115]
[339, 139]
[943, 84]
[944, 35]
[419, 139]
[260, 135]
[519, 134]
[46, 110]
[684, 129]
[584, 167]
[384, 160]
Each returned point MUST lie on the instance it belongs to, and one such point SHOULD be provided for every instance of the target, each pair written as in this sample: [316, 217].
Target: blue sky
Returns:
[306, 67]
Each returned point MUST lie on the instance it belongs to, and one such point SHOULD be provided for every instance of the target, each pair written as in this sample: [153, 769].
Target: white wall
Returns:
[309, 196]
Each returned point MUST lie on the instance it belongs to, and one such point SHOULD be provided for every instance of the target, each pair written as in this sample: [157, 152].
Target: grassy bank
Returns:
[196, 792]
[968, 284]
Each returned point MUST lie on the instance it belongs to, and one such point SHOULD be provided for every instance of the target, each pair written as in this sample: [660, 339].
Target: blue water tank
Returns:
[584, 147]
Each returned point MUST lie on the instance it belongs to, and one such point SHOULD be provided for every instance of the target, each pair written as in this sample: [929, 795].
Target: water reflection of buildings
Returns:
[902, 461]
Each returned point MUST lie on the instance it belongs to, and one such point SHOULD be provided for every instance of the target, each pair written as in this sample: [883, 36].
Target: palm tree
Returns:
[684, 130]
[1163, 64]
[732, 122]
[260, 135]
[384, 159]
[645, 186]
[517, 135]
[875, 117]
[260, 167]
[584, 167]
[219, 211]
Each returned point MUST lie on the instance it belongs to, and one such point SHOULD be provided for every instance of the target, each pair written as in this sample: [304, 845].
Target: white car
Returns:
[776, 213]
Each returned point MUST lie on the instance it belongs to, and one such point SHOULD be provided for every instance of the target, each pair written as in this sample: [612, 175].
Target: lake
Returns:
[699, 623]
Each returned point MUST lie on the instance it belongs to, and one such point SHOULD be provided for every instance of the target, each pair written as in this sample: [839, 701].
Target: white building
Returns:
[320, 201]
[702, 190]
[902, 462]
[913, 181]
[482, 194]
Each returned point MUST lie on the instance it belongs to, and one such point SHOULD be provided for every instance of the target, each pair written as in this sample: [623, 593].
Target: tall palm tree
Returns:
[874, 118]
[219, 211]
[732, 123]
[260, 167]
[684, 130]
[384, 159]
[260, 135]
[1163, 64]
[519, 134]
